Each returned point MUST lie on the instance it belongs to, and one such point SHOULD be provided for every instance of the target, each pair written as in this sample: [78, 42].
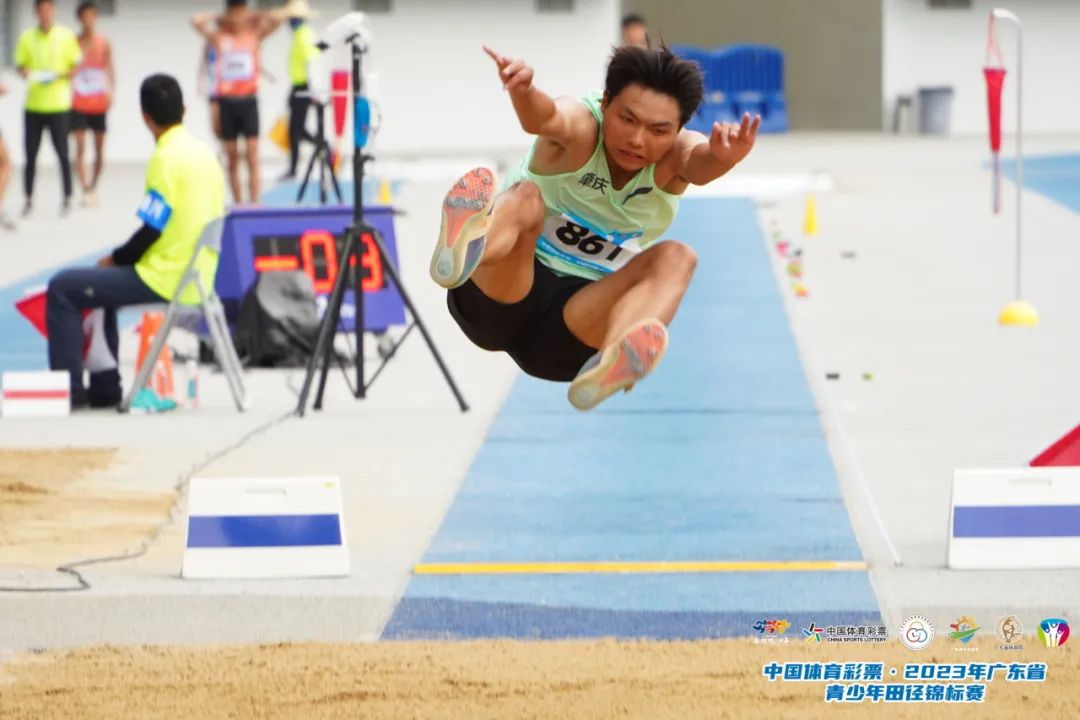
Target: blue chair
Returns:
[754, 77]
[739, 79]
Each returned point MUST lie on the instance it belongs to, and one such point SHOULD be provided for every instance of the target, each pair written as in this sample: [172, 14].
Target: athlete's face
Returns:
[635, 34]
[640, 126]
[46, 14]
[89, 19]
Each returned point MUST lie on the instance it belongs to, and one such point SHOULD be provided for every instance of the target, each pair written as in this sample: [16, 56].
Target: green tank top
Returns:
[591, 229]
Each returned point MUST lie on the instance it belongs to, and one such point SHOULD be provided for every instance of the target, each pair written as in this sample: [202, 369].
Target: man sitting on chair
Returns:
[185, 190]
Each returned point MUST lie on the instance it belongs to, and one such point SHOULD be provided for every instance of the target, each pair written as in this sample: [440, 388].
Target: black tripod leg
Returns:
[322, 175]
[327, 330]
[337, 297]
[337, 187]
[389, 269]
[307, 174]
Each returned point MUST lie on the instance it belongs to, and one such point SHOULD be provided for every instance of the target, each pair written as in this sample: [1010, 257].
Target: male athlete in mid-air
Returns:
[562, 270]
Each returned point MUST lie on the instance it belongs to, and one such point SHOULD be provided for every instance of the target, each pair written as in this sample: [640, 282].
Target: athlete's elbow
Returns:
[531, 126]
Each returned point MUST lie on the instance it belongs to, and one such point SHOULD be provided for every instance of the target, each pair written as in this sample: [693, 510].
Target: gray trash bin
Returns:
[935, 110]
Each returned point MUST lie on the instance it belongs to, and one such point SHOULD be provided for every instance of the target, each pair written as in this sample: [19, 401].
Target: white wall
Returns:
[438, 91]
[924, 47]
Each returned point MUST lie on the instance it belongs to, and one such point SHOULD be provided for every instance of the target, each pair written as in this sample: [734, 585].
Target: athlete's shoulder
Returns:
[580, 112]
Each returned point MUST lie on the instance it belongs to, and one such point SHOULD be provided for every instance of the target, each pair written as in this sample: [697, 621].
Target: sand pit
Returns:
[56, 506]
[500, 679]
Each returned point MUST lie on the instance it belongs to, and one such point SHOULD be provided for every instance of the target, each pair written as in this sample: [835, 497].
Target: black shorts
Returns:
[82, 121]
[239, 117]
[532, 331]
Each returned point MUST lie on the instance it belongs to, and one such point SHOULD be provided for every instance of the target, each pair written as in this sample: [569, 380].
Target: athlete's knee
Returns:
[674, 258]
[528, 201]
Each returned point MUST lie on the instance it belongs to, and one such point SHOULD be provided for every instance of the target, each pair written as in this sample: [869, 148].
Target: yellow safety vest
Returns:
[302, 51]
[185, 190]
[50, 57]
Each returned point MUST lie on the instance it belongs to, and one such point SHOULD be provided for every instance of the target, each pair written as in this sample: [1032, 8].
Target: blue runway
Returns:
[718, 456]
[1055, 176]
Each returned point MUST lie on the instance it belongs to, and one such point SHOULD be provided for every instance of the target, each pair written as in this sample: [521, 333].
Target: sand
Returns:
[57, 506]
[495, 679]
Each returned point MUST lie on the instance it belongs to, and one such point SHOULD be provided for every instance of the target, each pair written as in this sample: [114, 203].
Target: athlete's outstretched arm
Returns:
[202, 24]
[268, 22]
[559, 121]
[701, 160]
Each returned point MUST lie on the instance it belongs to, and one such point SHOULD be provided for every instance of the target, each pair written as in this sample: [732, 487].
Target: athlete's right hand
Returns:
[516, 75]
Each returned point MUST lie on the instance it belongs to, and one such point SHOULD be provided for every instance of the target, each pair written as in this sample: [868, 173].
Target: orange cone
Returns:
[161, 380]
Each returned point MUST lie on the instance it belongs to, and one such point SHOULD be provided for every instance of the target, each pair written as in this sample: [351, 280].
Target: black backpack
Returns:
[278, 322]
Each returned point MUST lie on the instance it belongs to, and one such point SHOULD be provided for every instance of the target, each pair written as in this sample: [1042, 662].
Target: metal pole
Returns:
[1011, 17]
[358, 217]
[1019, 149]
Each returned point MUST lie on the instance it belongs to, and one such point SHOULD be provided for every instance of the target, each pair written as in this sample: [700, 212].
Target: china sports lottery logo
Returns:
[916, 632]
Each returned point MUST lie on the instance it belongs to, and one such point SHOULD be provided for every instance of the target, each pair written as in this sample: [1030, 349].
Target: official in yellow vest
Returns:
[185, 190]
[46, 56]
[303, 49]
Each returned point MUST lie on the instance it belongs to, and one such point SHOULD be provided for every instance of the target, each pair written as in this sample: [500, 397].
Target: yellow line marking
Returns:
[562, 568]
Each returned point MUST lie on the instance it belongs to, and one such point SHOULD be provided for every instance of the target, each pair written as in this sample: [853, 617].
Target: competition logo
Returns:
[1053, 632]
[964, 629]
[1009, 630]
[772, 627]
[916, 632]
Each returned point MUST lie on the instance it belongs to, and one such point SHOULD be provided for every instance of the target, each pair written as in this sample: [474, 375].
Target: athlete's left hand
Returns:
[730, 143]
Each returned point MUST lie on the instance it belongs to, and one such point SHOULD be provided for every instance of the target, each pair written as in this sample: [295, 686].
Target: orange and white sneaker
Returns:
[463, 235]
[618, 366]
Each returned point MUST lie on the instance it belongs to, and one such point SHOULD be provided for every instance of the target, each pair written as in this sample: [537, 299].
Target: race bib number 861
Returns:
[581, 245]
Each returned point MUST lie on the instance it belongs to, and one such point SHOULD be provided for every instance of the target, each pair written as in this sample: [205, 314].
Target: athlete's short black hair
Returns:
[632, 19]
[84, 6]
[236, 3]
[659, 70]
[38, 3]
[162, 100]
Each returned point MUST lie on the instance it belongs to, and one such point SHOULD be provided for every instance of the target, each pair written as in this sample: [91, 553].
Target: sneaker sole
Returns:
[621, 365]
[462, 237]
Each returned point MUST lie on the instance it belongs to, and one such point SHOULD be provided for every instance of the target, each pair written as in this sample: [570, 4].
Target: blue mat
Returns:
[717, 456]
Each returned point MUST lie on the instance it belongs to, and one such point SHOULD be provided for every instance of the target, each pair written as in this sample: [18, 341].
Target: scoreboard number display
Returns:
[311, 240]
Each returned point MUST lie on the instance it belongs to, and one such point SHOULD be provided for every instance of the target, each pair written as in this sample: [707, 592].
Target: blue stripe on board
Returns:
[263, 531]
[422, 618]
[1031, 521]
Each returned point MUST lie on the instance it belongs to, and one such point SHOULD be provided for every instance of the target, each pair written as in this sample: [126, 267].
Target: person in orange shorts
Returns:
[236, 42]
[92, 92]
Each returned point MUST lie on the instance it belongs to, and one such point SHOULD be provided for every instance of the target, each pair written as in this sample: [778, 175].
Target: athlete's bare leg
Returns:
[232, 158]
